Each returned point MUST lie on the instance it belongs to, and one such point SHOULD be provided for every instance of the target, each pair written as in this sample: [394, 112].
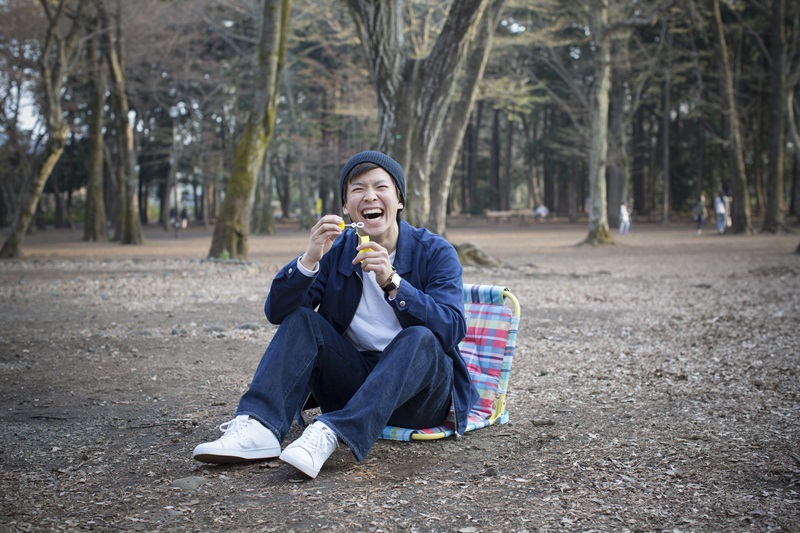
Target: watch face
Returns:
[394, 283]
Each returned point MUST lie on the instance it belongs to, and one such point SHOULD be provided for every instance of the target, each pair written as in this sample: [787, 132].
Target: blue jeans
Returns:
[409, 384]
[721, 223]
[700, 221]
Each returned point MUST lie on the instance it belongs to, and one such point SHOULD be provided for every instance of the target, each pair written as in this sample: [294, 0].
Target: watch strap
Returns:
[393, 283]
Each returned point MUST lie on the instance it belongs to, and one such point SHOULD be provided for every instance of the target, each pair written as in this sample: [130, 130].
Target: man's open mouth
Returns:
[372, 213]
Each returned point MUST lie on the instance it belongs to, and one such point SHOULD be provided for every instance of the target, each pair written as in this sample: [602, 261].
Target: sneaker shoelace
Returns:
[233, 427]
[317, 439]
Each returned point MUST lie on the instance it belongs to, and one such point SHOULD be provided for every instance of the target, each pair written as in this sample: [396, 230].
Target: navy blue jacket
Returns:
[430, 295]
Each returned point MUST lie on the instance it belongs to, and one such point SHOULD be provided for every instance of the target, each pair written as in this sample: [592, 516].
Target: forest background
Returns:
[116, 113]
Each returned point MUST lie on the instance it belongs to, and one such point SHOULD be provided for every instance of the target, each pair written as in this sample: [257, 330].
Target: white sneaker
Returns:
[312, 449]
[245, 439]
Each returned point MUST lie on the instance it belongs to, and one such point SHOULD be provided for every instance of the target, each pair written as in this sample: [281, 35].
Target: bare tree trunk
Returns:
[94, 225]
[458, 116]
[666, 178]
[111, 191]
[741, 196]
[638, 170]
[29, 198]
[773, 217]
[617, 153]
[472, 159]
[56, 55]
[257, 213]
[263, 218]
[170, 202]
[795, 136]
[572, 177]
[208, 198]
[40, 223]
[130, 226]
[622, 136]
[414, 94]
[530, 128]
[615, 157]
[700, 129]
[62, 215]
[494, 163]
[507, 187]
[232, 228]
[599, 232]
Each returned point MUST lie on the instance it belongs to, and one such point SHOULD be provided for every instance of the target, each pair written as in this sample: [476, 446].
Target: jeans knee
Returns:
[302, 317]
[419, 335]
[415, 345]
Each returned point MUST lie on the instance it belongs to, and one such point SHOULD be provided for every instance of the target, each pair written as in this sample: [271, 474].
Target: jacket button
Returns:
[290, 271]
[402, 303]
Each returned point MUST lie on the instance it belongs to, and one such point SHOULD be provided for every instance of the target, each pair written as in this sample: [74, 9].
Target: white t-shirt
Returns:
[719, 206]
[374, 325]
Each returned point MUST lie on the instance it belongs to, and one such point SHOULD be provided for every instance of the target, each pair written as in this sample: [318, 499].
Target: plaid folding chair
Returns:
[488, 350]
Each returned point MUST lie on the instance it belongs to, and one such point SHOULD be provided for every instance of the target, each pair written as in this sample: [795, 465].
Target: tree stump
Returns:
[470, 254]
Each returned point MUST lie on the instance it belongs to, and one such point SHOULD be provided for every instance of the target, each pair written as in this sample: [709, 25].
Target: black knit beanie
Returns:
[382, 160]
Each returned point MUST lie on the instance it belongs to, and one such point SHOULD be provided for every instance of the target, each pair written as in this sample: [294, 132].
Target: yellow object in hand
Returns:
[364, 238]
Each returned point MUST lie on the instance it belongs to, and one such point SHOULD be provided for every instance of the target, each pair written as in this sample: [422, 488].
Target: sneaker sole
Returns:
[298, 464]
[227, 458]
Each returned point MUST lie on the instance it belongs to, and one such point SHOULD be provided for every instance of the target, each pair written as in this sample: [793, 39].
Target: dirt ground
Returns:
[655, 388]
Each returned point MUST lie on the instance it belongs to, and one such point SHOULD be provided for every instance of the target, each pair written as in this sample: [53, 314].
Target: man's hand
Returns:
[375, 260]
[322, 236]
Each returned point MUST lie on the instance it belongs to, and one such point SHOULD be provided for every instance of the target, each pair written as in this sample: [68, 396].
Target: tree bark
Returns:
[56, 55]
[232, 228]
[169, 200]
[494, 163]
[598, 212]
[94, 225]
[774, 219]
[472, 159]
[795, 136]
[741, 196]
[638, 171]
[617, 182]
[458, 116]
[130, 226]
[263, 219]
[507, 185]
[32, 191]
[666, 181]
[700, 130]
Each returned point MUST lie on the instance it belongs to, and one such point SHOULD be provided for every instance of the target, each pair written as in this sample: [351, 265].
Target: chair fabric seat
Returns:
[488, 350]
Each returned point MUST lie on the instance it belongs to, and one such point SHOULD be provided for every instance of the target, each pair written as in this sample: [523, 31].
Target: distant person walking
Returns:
[624, 219]
[722, 211]
[700, 214]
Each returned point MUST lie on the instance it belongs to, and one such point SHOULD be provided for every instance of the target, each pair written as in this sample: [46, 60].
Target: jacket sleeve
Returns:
[292, 289]
[433, 296]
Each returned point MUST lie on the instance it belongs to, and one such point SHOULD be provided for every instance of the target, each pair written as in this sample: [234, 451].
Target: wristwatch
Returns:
[393, 284]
